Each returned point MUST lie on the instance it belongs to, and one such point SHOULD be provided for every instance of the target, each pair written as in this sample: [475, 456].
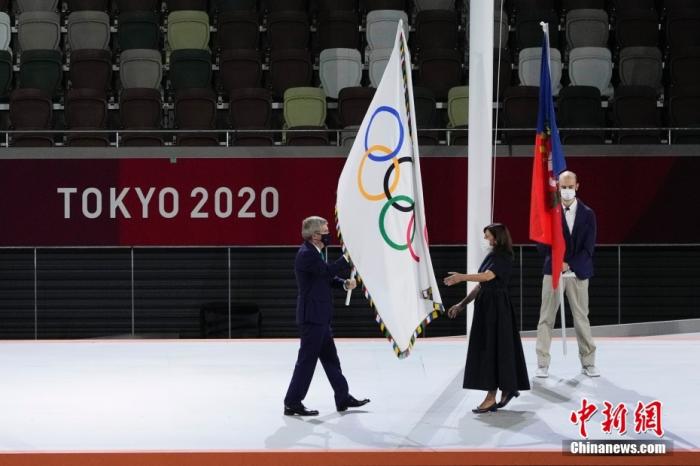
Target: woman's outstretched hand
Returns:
[454, 311]
[453, 278]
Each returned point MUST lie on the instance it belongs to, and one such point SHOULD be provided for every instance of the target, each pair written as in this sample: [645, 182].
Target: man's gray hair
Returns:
[311, 225]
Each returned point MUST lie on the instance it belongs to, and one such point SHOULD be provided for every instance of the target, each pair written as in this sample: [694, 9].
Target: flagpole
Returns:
[563, 312]
[479, 149]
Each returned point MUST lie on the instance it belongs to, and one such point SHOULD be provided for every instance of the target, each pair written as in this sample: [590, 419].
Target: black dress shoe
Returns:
[507, 399]
[478, 410]
[299, 411]
[351, 402]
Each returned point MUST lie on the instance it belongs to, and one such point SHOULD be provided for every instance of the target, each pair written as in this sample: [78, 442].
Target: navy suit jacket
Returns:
[579, 244]
[314, 281]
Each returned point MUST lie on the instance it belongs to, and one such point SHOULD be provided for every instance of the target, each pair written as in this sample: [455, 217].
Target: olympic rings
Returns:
[390, 189]
[411, 226]
[394, 152]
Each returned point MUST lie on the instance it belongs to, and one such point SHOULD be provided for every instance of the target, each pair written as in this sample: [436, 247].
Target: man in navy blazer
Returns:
[579, 225]
[315, 277]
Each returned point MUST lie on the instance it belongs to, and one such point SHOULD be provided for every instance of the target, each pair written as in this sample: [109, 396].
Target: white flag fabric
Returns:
[380, 212]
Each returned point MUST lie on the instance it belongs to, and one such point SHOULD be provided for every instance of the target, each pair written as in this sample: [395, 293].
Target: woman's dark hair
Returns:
[502, 236]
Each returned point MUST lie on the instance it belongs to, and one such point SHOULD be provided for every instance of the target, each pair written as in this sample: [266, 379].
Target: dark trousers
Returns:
[316, 343]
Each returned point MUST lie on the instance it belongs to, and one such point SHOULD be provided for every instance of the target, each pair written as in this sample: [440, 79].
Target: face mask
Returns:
[326, 239]
[485, 245]
[568, 194]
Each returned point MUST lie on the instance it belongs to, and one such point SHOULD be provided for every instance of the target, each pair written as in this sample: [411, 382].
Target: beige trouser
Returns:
[577, 294]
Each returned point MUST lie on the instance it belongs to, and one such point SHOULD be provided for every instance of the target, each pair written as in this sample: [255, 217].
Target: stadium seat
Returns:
[41, 69]
[288, 30]
[502, 72]
[635, 107]
[421, 5]
[682, 26]
[274, 6]
[5, 72]
[31, 109]
[528, 32]
[90, 69]
[587, 28]
[641, 66]
[138, 30]
[141, 68]
[339, 68]
[23, 6]
[458, 106]
[225, 6]
[371, 5]
[176, 5]
[684, 112]
[88, 5]
[238, 30]
[304, 106]
[530, 63]
[378, 59]
[86, 109]
[190, 68]
[251, 109]
[5, 31]
[140, 109]
[39, 30]
[353, 103]
[685, 67]
[440, 70]
[88, 30]
[381, 28]
[195, 109]
[239, 69]
[569, 5]
[520, 107]
[289, 68]
[338, 29]
[188, 29]
[137, 5]
[436, 29]
[636, 27]
[591, 66]
[424, 101]
[579, 107]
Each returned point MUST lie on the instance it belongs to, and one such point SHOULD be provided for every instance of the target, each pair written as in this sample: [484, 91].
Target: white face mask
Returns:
[485, 245]
[568, 194]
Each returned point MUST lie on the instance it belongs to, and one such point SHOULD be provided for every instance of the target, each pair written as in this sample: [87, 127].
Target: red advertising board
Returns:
[261, 201]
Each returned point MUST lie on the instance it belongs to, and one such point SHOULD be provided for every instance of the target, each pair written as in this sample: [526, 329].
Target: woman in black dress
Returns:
[495, 354]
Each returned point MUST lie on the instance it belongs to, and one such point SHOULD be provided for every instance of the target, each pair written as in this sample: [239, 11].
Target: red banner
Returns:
[261, 201]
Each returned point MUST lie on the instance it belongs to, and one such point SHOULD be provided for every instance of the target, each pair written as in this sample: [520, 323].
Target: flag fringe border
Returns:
[438, 308]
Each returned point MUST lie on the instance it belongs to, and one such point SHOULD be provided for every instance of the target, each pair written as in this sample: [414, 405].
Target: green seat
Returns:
[190, 68]
[304, 106]
[458, 106]
[188, 29]
[5, 71]
[41, 69]
[138, 30]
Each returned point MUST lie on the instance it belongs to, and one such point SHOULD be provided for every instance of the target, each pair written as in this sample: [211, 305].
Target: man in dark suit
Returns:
[315, 277]
[579, 224]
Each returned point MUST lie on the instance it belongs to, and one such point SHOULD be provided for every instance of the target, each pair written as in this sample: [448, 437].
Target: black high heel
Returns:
[508, 398]
[492, 408]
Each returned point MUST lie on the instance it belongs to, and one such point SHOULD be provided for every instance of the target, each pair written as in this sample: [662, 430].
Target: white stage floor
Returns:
[151, 395]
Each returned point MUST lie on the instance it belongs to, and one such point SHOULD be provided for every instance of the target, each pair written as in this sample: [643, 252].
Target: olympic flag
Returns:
[380, 213]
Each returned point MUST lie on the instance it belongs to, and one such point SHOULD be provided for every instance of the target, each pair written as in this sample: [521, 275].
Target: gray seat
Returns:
[529, 63]
[5, 31]
[348, 135]
[586, 28]
[88, 30]
[141, 68]
[39, 30]
[381, 28]
[378, 59]
[338, 69]
[591, 66]
[35, 5]
[641, 66]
